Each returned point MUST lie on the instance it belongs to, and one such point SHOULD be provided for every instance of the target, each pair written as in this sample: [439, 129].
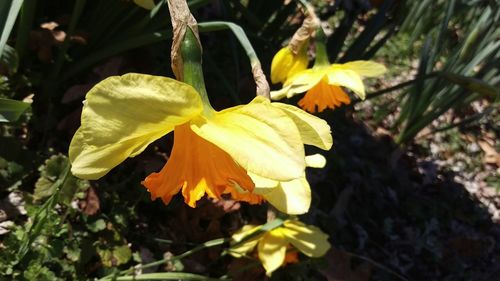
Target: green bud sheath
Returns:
[192, 69]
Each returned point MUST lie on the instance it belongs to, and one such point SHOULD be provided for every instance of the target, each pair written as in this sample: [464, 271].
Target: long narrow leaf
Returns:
[9, 9]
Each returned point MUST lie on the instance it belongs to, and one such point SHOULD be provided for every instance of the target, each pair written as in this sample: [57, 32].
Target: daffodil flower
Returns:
[290, 197]
[285, 64]
[322, 83]
[272, 245]
[213, 150]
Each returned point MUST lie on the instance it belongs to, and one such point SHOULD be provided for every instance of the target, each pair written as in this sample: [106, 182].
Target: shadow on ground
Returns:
[392, 220]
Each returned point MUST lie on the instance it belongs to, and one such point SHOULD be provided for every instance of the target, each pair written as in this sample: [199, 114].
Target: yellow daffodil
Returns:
[213, 150]
[323, 83]
[290, 197]
[146, 4]
[285, 64]
[272, 245]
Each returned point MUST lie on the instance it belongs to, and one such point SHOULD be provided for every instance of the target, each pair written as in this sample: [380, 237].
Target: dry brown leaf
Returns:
[491, 156]
[90, 205]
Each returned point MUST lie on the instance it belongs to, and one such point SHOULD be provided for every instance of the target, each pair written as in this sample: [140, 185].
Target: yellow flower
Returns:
[272, 245]
[213, 150]
[323, 84]
[146, 4]
[285, 64]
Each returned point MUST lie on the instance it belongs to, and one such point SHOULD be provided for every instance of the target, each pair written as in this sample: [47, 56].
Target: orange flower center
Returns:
[323, 95]
[197, 167]
[291, 257]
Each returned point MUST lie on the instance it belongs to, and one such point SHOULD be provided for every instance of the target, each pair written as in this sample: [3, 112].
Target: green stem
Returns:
[397, 87]
[192, 69]
[35, 229]
[321, 53]
[277, 222]
[208, 244]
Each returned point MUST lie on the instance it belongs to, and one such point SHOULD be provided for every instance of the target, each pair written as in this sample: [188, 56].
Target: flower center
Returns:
[323, 95]
[196, 167]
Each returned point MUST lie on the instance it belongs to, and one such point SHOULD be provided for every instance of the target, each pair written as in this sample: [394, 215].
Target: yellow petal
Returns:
[259, 137]
[341, 76]
[366, 68]
[300, 82]
[272, 250]
[313, 130]
[292, 197]
[146, 4]
[122, 115]
[315, 161]
[240, 249]
[308, 239]
[285, 64]
[263, 183]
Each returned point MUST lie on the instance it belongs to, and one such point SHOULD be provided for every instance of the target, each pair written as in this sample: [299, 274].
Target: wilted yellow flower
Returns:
[323, 82]
[213, 150]
[285, 64]
[272, 245]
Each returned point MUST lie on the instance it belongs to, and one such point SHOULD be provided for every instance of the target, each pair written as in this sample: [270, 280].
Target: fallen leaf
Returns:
[491, 156]
[90, 205]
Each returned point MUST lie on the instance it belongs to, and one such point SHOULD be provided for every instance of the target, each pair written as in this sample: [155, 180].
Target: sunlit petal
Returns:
[292, 197]
[308, 239]
[315, 161]
[259, 137]
[313, 130]
[272, 250]
[122, 115]
[285, 64]
[238, 248]
[341, 76]
[366, 68]
[300, 82]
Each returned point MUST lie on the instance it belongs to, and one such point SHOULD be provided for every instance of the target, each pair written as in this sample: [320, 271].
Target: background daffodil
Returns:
[322, 84]
[213, 150]
[285, 63]
[272, 245]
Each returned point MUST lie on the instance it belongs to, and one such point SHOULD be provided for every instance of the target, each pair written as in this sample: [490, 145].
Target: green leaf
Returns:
[9, 59]
[8, 14]
[473, 84]
[97, 225]
[50, 171]
[11, 110]
[115, 256]
[44, 187]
